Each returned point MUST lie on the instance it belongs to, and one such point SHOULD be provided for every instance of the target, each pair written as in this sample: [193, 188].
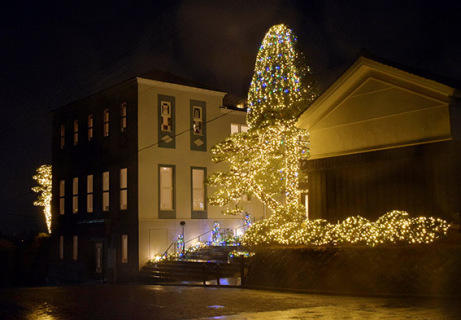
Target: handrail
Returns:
[198, 237]
[165, 254]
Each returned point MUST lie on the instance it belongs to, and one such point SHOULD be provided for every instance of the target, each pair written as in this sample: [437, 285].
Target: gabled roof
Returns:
[376, 106]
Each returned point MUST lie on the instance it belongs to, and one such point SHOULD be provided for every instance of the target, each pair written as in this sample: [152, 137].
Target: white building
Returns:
[141, 151]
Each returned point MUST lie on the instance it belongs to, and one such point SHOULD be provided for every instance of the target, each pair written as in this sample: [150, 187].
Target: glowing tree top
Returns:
[282, 85]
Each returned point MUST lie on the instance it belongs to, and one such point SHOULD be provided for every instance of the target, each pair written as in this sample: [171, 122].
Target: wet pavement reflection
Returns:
[199, 303]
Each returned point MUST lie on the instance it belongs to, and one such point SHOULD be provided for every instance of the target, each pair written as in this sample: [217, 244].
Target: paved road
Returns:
[174, 302]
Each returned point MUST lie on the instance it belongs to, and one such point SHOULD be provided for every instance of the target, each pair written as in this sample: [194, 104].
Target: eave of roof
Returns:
[366, 63]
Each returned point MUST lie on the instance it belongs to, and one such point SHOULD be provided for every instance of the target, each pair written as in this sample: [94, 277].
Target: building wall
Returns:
[383, 139]
[116, 151]
[140, 149]
[422, 180]
[157, 231]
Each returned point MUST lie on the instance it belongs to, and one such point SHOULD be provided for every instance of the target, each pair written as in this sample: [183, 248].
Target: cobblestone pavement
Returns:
[175, 302]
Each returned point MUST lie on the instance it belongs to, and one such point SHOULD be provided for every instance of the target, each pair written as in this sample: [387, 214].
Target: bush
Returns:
[393, 227]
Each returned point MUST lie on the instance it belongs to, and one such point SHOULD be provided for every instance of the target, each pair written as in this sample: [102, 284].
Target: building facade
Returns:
[384, 139]
[129, 170]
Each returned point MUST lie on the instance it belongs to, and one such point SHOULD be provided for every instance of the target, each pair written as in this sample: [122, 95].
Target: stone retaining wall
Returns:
[415, 270]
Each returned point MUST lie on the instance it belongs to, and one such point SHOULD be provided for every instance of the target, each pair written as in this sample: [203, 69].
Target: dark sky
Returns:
[54, 52]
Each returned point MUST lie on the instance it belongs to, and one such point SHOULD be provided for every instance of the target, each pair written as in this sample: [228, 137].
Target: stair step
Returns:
[197, 266]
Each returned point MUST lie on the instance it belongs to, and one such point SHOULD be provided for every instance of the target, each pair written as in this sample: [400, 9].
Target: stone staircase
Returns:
[207, 266]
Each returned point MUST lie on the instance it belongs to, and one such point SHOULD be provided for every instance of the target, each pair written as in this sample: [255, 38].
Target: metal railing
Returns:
[175, 245]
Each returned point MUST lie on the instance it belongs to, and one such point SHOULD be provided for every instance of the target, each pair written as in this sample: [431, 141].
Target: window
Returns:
[90, 127]
[61, 247]
[197, 120]
[123, 117]
[166, 124]
[75, 248]
[75, 132]
[89, 193]
[236, 128]
[246, 197]
[166, 121]
[98, 258]
[106, 122]
[75, 195]
[124, 249]
[123, 188]
[105, 191]
[198, 125]
[198, 189]
[63, 136]
[166, 188]
[62, 195]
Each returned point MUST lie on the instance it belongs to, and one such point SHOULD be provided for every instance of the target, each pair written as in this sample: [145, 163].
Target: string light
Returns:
[44, 179]
[282, 85]
[265, 161]
[246, 222]
[181, 245]
[392, 228]
[215, 236]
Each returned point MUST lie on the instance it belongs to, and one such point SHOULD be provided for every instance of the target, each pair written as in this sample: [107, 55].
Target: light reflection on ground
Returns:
[42, 312]
[176, 302]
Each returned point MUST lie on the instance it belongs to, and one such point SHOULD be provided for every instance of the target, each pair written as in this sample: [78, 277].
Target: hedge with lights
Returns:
[392, 228]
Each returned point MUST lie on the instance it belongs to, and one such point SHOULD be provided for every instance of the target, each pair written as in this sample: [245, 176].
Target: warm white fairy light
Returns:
[282, 84]
[43, 178]
[265, 161]
[391, 228]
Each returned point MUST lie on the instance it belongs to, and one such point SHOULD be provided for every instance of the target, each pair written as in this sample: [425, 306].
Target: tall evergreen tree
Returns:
[265, 161]
[282, 85]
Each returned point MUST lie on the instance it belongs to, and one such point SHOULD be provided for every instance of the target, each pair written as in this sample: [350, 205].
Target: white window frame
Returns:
[197, 120]
[75, 132]
[237, 128]
[106, 120]
[90, 127]
[123, 117]
[123, 189]
[166, 185]
[62, 196]
[166, 121]
[89, 193]
[105, 191]
[198, 189]
[75, 195]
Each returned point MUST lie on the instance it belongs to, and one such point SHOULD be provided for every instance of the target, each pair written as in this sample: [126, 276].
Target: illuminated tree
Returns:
[43, 178]
[265, 161]
[283, 84]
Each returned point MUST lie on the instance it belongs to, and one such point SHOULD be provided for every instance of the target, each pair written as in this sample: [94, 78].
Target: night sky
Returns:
[55, 52]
